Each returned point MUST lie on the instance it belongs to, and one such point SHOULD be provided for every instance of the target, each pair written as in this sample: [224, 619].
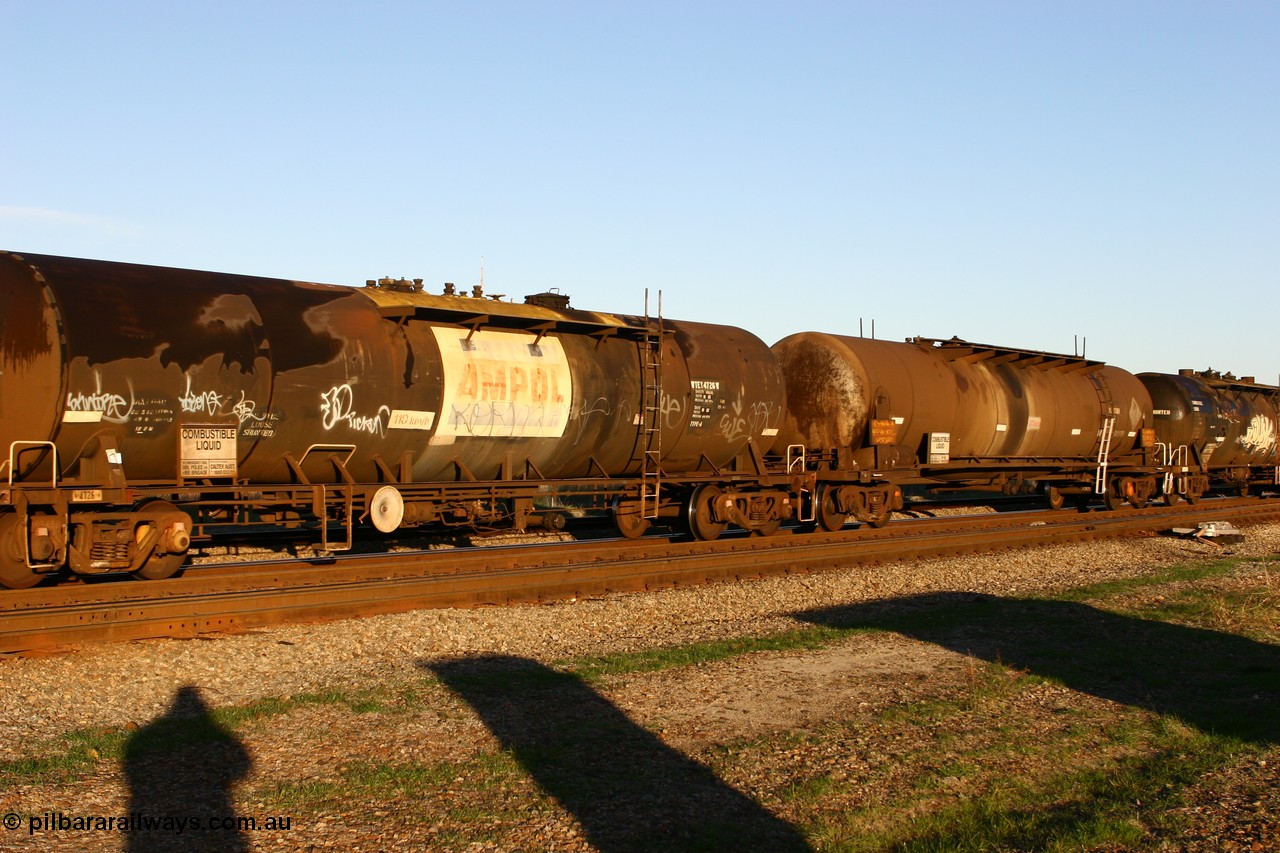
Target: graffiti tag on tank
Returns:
[1260, 437]
[733, 423]
[338, 407]
[253, 423]
[98, 405]
[671, 408]
[203, 402]
[502, 384]
[742, 420]
[143, 413]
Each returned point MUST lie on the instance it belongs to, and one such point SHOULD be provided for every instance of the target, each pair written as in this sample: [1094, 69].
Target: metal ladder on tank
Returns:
[651, 411]
[1104, 450]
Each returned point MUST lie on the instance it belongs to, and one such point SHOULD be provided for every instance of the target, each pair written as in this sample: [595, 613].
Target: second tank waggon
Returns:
[953, 414]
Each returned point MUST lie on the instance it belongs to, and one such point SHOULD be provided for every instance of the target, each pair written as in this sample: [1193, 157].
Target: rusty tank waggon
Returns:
[872, 416]
[143, 408]
[1215, 431]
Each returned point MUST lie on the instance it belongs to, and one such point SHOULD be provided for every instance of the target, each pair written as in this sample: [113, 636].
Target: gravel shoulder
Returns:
[133, 682]
[694, 711]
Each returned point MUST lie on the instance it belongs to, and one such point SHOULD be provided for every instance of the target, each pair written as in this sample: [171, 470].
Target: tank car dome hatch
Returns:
[402, 284]
[549, 299]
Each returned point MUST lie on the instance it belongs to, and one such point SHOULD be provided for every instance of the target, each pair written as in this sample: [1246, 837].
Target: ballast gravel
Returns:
[131, 684]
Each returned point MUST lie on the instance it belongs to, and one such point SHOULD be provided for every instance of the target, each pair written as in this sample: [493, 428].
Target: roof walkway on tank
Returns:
[475, 313]
[955, 349]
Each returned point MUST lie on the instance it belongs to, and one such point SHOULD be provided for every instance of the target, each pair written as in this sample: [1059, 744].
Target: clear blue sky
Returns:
[1015, 173]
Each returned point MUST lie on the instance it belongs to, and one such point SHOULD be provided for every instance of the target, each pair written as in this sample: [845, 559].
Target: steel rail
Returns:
[267, 594]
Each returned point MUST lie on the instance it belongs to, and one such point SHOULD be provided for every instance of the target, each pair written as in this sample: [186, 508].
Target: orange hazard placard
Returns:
[884, 432]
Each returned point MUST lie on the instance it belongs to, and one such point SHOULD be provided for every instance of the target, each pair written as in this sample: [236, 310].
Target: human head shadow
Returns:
[627, 789]
[180, 768]
[1217, 682]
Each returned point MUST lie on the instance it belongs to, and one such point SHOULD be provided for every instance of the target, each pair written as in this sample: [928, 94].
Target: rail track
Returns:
[243, 596]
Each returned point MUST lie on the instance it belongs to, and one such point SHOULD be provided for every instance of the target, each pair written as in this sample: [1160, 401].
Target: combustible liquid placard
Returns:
[208, 451]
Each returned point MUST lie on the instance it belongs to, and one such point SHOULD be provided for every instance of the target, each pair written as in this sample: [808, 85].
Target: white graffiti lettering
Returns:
[247, 410]
[732, 424]
[113, 407]
[500, 418]
[599, 407]
[672, 409]
[1260, 436]
[208, 401]
[337, 405]
[761, 417]
[746, 420]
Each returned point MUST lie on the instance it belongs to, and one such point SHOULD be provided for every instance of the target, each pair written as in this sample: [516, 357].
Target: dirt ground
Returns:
[945, 706]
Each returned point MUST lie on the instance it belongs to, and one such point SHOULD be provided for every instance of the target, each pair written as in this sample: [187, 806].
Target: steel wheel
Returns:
[699, 513]
[828, 517]
[1055, 497]
[14, 571]
[628, 518]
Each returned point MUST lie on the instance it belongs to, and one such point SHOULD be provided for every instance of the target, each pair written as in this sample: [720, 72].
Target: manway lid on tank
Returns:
[477, 311]
[1217, 379]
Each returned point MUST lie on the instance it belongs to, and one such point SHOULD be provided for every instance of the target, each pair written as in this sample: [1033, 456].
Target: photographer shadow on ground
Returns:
[180, 769]
[1217, 682]
[628, 790]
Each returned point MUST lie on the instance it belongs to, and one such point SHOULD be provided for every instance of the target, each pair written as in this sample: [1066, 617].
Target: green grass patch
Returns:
[809, 791]
[1114, 804]
[1181, 573]
[591, 669]
[937, 778]
[462, 790]
[1252, 612]
[74, 754]
[68, 758]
